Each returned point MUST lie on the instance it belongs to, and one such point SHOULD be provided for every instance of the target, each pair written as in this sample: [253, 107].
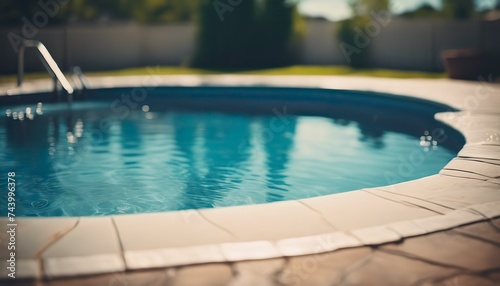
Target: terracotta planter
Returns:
[466, 64]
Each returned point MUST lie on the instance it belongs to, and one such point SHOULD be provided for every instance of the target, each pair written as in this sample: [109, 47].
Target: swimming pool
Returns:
[117, 152]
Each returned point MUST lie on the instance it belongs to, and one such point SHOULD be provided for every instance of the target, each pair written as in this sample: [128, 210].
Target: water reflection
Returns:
[28, 148]
[224, 156]
[372, 133]
[277, 145]
[172, 160]
[130, 140]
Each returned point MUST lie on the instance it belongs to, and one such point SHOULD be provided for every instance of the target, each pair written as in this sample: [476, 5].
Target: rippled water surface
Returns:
[91, 161]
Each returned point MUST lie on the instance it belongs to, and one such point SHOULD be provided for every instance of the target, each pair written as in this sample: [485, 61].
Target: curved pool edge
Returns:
[465, 191]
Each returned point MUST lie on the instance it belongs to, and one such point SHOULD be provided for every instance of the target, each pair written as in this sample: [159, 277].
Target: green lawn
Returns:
[290, 70]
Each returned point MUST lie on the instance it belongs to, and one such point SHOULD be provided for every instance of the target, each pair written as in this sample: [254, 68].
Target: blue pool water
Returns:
[94, 159]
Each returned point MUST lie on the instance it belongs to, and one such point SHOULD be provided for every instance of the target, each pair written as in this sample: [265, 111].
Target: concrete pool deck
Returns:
[439, 229]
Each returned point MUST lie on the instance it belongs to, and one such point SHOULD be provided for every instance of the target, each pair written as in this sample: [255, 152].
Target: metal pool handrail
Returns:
[47, 61]
[83, 84]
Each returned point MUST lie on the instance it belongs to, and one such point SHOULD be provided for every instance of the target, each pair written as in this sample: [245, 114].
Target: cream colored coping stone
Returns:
[467, 190]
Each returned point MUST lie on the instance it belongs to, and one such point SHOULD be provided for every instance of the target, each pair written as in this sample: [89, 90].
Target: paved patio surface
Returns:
[466, 255]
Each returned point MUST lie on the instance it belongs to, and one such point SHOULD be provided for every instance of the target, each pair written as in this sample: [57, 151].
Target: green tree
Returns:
[145, 11]
[251, 33]
[163, 11]
[424, 11]
[458, 9]
[364, 7]
[358, 56]
[275, 30]
[225, 36]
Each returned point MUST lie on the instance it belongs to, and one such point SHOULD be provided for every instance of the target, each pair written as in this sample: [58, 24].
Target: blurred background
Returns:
[461, 37]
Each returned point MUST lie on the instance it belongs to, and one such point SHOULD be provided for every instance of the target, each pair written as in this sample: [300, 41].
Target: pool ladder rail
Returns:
[79, 80]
